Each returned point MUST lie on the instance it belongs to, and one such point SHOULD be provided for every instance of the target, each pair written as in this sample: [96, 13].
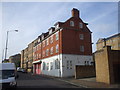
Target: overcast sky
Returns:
[34, 18]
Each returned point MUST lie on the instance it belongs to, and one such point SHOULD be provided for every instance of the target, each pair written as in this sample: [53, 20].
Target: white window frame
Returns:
[57, 36]
[47, 42]
[51, 39]
[57, 48]
[47, 51]
[50, 32]
[51, 50]
[43, 54]
[82, 48]
[51, 65]
[42, 37]
[44, 65]
[57, 64]
[39, 55]
[57, 26]
[81, 36]
[72, 23]
[69, 64]
[81, 25]
[47, 66]
[43, 43]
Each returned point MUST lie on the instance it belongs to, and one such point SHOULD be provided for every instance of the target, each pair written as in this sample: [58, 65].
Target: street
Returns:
[40, 81]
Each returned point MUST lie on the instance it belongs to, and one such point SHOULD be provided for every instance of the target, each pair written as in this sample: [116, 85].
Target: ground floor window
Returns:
[51, 65]
[57, 64]
[69, 64]
[43, 65]
[47, 66]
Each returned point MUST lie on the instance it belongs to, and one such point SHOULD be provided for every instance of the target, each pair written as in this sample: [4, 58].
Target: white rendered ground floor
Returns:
[62, 65]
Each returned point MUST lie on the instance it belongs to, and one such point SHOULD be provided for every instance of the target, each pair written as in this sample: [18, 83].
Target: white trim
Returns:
[36, 61]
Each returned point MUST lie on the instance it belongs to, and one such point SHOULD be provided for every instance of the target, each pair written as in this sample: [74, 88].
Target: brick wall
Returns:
[105, 60]
[84, 71]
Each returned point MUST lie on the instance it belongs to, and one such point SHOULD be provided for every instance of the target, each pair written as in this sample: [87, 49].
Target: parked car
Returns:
[19, 69]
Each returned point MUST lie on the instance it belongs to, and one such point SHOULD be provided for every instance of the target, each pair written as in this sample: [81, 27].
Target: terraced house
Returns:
[64, 46]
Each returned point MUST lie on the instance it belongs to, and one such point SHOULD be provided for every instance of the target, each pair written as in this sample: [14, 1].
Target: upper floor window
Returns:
[57, 36]
[47, 42]
[34, 49]
[82, 48]
[40, 55]
[47, 51]
[43, 43]
[57, 49]
[38, 40]
[51, 50]
[42, 37]
[81, 25]
[51, 39]
[71, 23]
[57, 26]
[50, 32]
[39, 46]
[43, 53]
[81, 36]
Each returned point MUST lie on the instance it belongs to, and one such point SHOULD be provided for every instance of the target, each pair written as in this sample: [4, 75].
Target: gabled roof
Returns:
[100, 40]
[105, 39]
[116, 35]
[58, 23]
[51, 28]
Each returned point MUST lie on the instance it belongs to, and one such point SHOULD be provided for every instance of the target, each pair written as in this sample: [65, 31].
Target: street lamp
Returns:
[7, 42]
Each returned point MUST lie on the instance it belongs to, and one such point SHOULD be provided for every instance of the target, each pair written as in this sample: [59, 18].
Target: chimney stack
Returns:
[75, 13]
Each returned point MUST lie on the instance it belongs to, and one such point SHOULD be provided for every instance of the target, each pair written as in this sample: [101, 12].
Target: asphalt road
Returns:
[39, 81]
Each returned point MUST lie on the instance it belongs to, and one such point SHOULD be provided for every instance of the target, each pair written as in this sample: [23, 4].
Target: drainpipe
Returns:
[104, 40]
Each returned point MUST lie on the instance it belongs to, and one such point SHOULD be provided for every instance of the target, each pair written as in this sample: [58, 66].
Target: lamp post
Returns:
[7, 42]
[3, 54]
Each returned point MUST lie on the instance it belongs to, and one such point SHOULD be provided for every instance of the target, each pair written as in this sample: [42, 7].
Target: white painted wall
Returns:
[76, 60]
[63, 58]
[53, 72]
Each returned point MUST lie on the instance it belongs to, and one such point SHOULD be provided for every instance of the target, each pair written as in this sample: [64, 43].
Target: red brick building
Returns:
[57, 51]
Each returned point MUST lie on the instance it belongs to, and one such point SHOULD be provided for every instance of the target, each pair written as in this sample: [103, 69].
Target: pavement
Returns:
[87, 82]
[90, 83]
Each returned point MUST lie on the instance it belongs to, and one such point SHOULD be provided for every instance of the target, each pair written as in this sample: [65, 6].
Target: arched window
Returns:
[71, 23]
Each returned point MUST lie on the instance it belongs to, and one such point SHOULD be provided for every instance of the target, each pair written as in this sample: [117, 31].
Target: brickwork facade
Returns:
[57, 51]
[15, 59]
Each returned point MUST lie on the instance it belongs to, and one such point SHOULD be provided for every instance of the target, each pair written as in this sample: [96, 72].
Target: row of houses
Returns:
[57, 51]
[66, 50]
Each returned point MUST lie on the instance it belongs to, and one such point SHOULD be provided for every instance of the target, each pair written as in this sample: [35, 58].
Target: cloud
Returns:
[101, 16]
[31, 19]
